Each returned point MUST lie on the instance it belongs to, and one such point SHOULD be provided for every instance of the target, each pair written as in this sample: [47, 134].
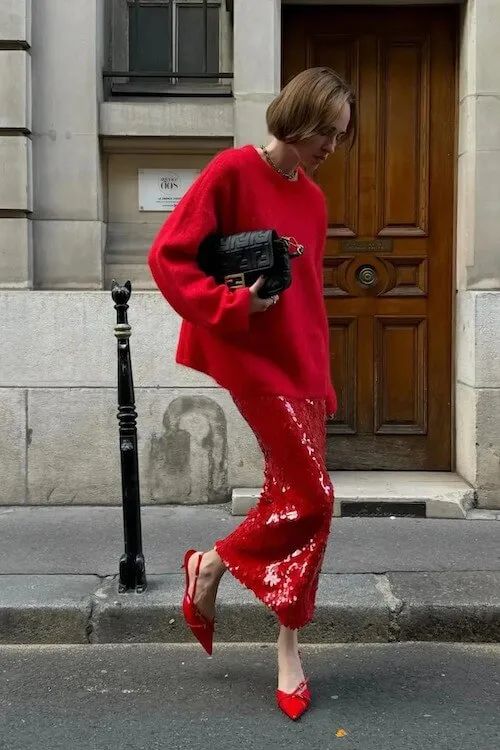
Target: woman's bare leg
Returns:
[290, 673]
[211, 571]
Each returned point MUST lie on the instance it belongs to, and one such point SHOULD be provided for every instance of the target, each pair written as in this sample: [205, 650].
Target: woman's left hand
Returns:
[258, 304]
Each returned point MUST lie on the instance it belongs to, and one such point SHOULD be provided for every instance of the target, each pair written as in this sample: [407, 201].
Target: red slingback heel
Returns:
[201, 627]
[296, 703]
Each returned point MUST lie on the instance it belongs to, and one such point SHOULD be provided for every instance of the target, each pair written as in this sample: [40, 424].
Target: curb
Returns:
[366, 608]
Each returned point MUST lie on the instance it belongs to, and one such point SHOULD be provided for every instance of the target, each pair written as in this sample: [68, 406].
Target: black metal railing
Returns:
[161, 74]
[132, 567]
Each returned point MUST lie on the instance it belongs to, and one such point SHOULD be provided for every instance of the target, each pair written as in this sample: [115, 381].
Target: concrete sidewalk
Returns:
[383, 580]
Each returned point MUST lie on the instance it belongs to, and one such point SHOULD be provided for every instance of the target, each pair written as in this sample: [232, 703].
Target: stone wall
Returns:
[59, 435]
[16, 194]
[478, 253]
[69, 228]
[58, 400]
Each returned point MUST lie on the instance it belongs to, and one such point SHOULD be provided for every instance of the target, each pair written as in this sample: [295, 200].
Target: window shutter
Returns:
[191, 39]
[150, 37]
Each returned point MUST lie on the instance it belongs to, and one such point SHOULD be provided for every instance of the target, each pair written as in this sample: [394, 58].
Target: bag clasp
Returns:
[235, 280]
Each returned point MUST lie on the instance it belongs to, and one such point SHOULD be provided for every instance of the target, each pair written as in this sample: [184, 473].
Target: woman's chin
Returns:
[311, 165]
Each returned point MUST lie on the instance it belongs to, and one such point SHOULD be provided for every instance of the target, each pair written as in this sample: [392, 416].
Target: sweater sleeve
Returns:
[172, 259]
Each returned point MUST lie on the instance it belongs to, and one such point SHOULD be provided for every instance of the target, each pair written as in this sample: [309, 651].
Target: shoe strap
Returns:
[300, 688]
[196, 573]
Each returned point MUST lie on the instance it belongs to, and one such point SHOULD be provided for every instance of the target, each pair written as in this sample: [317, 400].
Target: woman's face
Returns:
[315, 150]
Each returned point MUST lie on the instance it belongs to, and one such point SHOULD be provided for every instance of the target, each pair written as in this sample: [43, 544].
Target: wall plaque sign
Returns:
[367, 246]
[162, 189]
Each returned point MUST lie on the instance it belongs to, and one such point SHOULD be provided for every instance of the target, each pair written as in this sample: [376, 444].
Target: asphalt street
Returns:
[172, 696]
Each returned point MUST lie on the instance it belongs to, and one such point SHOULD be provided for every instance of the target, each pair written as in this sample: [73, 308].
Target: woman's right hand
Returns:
[257, 304]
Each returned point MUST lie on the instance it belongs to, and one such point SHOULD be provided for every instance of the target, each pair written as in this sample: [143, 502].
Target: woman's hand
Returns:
[257, 304]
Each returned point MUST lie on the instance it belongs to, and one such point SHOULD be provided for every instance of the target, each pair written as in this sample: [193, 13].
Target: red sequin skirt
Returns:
[277, 551]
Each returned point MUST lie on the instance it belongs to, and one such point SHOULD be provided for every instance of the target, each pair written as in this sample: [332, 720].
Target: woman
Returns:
[272, 355]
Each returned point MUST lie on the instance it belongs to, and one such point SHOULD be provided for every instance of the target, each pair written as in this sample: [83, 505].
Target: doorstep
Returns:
[426, 494]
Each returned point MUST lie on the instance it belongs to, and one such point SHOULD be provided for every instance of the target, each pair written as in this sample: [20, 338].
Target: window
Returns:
[184, 37]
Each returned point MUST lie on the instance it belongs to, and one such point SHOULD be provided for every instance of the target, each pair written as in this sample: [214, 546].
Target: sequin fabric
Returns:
[277, 551]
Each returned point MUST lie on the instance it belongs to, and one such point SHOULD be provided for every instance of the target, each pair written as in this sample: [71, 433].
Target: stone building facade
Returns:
[71, 144]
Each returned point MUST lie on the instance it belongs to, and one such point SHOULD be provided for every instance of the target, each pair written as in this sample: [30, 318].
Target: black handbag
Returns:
[239, 259]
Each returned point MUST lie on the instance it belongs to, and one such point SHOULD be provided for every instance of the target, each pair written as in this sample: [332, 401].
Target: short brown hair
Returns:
[309, 104]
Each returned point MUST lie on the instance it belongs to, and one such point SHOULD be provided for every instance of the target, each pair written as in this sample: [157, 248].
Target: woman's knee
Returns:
[317, 508]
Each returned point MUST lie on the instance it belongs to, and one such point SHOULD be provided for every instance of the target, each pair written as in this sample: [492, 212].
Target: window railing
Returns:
[169, 47]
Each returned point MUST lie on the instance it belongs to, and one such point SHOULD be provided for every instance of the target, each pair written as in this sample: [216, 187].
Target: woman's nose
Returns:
[330, 146]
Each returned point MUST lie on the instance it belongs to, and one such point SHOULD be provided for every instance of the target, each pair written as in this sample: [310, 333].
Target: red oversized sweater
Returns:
[283, 350]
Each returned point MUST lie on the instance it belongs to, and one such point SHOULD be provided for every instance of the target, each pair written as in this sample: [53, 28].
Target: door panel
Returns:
[400, 376]
[402, 160]
[388, 269]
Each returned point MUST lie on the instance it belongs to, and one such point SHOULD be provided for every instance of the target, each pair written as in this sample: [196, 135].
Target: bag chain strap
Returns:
[292, 242]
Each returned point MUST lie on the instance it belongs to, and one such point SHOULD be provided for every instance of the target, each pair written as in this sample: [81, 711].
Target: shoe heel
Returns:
[201, 628]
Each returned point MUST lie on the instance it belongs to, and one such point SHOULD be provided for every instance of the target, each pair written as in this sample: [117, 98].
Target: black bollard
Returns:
[132, 565]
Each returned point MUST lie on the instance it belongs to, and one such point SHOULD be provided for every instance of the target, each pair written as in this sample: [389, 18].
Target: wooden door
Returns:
[388, 268]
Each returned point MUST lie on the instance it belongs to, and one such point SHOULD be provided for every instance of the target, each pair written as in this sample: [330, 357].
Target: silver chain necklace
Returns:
[287, 175]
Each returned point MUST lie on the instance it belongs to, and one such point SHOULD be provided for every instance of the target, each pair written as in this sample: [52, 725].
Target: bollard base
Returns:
[132, 574]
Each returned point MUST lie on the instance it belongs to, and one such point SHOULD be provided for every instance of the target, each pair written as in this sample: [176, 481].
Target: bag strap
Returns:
[291, 242]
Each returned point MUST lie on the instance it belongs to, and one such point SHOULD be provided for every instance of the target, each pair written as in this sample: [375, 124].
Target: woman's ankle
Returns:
[288, 637]
[212, 564]
[288, 648]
